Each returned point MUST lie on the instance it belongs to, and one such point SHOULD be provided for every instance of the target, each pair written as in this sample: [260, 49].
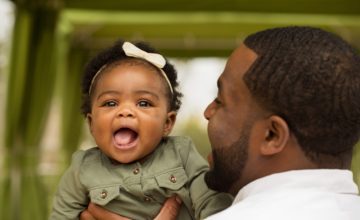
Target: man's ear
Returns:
[169, 124]
[89, 121]
[276, 136]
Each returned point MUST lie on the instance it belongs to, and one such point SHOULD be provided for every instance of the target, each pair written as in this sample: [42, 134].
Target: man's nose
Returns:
[209, 111]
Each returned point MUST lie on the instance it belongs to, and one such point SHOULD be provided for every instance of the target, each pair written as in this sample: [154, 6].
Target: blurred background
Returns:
[44, 45]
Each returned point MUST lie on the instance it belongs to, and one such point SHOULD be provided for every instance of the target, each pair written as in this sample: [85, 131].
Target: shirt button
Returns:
[103, 194]
[147, 199]
[173, 179]
[136, 171]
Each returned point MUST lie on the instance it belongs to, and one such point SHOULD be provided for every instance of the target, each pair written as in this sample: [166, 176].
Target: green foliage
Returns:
[193, 128]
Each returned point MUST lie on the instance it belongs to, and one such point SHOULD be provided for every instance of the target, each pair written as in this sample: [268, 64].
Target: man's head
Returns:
[289, 98]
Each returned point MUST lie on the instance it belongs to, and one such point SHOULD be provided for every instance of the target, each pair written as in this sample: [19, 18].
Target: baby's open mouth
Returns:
[125, 138]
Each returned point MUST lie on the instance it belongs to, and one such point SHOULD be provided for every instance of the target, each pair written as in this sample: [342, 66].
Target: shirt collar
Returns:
[332, 180]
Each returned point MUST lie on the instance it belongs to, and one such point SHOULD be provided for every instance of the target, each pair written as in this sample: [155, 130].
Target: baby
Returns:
[130, 100]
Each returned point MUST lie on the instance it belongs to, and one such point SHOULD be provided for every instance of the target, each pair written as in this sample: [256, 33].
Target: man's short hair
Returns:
[311, 78]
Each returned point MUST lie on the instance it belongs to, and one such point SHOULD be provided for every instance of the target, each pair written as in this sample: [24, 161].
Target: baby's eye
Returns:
[144, 103]
[109, 104]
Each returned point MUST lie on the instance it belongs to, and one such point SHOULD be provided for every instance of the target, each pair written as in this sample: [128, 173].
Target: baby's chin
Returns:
[123, 159]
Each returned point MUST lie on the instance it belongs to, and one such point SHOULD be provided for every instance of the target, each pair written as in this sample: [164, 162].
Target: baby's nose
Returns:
[126, 112]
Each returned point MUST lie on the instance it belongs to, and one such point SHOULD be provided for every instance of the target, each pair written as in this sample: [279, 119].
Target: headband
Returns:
[133, 51]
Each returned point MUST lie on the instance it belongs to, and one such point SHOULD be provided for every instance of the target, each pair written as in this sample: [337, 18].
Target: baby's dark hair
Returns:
[115, 55]
[311, 78]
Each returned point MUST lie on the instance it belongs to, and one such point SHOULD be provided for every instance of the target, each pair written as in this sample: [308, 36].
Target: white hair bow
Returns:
[154, 58]
[132, 51]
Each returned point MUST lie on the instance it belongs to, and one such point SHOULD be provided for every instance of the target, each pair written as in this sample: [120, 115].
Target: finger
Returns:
[85, 215]
[170, 209]
[102, 214]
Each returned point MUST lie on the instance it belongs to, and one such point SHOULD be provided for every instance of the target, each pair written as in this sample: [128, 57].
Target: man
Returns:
[283, 127]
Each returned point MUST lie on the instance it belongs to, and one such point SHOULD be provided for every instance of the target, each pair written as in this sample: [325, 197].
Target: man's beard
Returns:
[228, 163]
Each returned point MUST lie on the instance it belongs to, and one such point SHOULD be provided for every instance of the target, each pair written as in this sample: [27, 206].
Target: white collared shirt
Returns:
[318, 194]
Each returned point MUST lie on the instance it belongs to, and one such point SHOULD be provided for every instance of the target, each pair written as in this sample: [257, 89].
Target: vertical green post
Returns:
[356, 164]
[72, 119]
[29, 94]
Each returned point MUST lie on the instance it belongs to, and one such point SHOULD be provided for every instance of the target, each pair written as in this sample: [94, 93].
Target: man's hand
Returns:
[169, 211]
[95, 212]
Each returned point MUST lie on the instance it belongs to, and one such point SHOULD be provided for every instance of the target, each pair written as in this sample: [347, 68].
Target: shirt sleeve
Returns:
[205, 201]
[71, 196]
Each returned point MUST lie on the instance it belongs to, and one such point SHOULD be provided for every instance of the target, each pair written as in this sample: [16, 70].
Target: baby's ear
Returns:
[169, 123]
[89, 121]
[276, 136]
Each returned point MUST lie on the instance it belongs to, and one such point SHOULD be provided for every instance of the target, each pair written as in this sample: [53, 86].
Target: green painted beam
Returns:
[158, 17]
[186, 33]
[261, 6]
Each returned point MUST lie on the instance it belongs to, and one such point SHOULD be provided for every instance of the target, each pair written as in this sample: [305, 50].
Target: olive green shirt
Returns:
[138, 190]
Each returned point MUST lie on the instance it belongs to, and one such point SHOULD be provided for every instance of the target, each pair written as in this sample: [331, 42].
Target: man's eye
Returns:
[217, 100]
[110, 104]
[144, 103]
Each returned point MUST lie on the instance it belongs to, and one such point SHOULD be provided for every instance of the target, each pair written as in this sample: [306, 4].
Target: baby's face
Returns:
[129, 114]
